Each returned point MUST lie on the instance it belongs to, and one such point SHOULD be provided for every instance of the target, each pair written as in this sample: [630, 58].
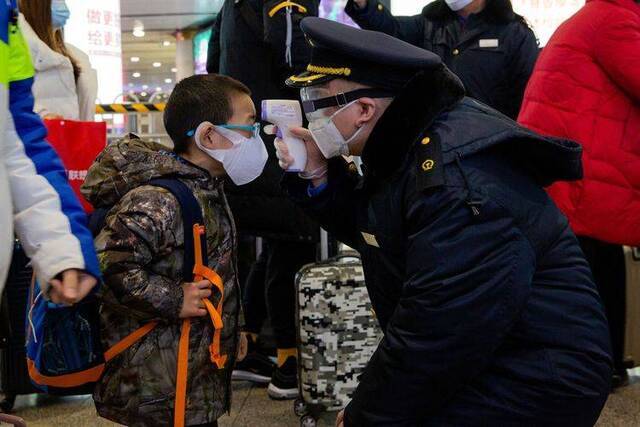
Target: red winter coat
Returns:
[586, 87]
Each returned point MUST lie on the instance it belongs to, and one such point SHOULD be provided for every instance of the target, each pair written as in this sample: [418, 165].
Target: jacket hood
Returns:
[132, 162]
[435, 103]
[44, 58]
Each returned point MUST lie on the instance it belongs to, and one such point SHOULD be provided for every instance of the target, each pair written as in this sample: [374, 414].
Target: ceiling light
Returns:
[168, 81]
[135, 59]
[157, 64]
[158, 89]
[174, 70]
[166, 43]
[136, 75]
[144, 93]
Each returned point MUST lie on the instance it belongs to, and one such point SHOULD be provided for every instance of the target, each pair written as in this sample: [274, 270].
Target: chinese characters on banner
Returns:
[94, 27]
[73, 175]
[545, 16]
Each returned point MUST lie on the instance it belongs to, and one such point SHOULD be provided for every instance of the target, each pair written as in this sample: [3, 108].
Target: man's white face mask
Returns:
[245, 161]
[328, 138]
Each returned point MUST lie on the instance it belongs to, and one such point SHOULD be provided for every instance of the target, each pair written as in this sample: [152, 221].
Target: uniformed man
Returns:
[488, 307]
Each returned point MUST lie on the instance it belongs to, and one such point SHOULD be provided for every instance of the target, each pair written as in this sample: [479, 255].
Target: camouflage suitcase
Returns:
[632, 329]
[337, 334]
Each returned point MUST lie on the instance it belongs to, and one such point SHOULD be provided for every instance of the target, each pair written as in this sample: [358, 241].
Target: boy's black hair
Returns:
[197, 99]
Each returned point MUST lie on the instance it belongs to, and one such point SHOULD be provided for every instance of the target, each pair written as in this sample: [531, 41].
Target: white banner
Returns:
[545, 16]
[94, 27]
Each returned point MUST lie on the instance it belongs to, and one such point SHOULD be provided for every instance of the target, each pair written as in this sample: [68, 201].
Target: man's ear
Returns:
[368, 109]
[205, 134]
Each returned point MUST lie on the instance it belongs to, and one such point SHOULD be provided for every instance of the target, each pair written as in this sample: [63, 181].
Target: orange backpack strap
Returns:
[129, 340]
[183, 369]
[217, 358]
[90, 375]
[200, 272]
[65, 381]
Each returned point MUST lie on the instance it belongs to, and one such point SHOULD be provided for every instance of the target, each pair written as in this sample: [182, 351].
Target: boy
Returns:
[211, 120]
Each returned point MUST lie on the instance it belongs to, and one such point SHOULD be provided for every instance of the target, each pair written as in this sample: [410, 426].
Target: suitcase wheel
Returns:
[8, 403]
[300, 408]
[308, 421]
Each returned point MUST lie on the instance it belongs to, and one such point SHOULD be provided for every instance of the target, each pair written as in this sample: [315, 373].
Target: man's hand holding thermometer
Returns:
[286, 114]
[295, 146]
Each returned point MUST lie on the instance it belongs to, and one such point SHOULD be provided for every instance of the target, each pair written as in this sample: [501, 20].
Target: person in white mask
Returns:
[476, 280]
[65, 84]
[211, 120]
[491, 48]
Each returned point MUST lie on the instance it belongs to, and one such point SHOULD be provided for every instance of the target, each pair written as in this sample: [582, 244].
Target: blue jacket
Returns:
[35, 195]
[489, 310]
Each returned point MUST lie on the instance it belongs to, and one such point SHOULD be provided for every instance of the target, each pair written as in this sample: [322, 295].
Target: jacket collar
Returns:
[412, 112]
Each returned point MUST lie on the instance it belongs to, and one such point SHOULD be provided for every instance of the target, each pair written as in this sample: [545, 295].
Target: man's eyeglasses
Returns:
[254, 129]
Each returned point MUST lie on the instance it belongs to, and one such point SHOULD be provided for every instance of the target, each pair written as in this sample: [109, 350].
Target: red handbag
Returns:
[77, 144]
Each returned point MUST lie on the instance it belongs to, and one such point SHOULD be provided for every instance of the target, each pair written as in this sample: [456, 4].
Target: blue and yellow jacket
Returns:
[35, 196]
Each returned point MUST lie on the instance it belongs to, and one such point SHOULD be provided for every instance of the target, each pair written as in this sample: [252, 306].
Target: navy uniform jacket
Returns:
[489, 310]
[493, 53]
[256, 57]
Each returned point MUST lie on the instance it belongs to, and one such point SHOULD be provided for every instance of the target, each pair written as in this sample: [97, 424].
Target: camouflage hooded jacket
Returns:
[141, 255]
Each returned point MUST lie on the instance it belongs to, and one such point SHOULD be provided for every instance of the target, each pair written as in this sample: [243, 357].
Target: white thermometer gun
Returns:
[286, 114]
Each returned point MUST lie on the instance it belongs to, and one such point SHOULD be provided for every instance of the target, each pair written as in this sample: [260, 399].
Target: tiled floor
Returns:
[252, 408]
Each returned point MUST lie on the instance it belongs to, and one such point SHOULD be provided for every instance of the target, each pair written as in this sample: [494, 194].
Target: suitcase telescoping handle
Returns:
[324, 245]
[343, 252]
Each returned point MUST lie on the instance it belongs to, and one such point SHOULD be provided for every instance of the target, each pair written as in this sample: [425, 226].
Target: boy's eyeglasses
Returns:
[254, 129]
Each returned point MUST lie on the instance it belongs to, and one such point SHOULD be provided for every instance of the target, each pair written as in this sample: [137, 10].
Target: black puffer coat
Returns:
[253, 52]
[493, 52]
[488, 307]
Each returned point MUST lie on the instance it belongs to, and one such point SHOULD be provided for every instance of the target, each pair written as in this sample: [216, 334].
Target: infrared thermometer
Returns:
[287, 114]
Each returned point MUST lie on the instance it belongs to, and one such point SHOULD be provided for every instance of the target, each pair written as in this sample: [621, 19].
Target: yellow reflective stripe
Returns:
[284, 4]
[4, 61]
[20, 65]
[329, 70]
[308, 78]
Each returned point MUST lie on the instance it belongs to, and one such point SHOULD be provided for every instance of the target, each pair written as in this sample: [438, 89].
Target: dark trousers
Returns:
[270, 288]
[608, 266]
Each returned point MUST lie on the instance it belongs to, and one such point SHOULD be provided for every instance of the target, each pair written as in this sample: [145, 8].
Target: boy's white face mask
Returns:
[245, 161]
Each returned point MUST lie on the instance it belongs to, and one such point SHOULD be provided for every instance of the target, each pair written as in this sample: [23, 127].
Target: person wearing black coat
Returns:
[488, 307]
[250, 43]
[487, 45]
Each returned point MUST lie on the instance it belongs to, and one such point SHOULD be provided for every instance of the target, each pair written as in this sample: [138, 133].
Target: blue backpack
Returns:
[64, 353]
